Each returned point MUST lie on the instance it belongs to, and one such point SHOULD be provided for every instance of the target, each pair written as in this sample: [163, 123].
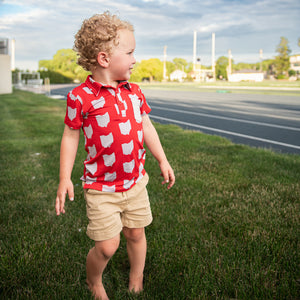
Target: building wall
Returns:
[5, 75]
[177, 75]
[237, 77]
[295, 62]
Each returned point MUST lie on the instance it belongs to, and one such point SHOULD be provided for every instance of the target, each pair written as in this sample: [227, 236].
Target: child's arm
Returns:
[153, 143]
[68, 150]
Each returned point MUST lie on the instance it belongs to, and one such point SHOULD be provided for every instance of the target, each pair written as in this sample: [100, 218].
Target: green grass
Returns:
[228, 229]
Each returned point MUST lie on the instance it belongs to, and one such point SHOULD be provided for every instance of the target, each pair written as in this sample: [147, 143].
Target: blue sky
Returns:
[40, 28]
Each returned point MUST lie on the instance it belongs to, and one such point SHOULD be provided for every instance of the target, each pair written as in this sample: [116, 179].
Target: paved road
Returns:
[257, 120]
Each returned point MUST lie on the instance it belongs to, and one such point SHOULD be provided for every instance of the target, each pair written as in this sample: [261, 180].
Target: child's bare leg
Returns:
[96, 261]
[136, 248]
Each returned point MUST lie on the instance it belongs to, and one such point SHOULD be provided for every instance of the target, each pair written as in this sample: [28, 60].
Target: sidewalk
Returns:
[46, 90]
[42, 89]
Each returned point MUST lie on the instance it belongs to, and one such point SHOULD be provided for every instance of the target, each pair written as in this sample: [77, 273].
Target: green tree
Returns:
[45, 65]
[151, 69]
[189, 67]
[243, 66]
[180, 63]
[221, 65]
[170, 68]
[268, 65]
[282, 60]
[64, 62]
[136, 75]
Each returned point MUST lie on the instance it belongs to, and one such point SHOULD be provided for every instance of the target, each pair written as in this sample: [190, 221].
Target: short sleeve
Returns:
[73, 116]
[145, 108]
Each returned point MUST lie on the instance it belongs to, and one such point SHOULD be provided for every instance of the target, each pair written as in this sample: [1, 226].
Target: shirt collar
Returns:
[95, 86]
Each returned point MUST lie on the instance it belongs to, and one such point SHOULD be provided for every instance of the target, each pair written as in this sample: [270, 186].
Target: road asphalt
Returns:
[258, 120]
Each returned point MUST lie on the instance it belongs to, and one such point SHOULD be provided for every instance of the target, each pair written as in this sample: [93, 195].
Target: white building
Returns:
[295, 62]
[5, 67]
[178, 75]
[246, 75]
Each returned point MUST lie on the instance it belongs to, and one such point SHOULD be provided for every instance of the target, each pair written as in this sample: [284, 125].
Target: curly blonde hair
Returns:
[98, 33]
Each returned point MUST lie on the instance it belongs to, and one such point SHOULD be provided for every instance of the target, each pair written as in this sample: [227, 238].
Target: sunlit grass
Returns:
[228, 229]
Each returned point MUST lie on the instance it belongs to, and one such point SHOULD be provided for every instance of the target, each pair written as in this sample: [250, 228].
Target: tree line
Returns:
[63, 68]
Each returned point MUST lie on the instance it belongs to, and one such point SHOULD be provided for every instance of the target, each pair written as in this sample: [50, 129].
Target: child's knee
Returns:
[134, 234]
[107, 248]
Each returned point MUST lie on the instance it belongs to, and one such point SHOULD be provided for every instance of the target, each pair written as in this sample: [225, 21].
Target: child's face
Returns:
[122, 58]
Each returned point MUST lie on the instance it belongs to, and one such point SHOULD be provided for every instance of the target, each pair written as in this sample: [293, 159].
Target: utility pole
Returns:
[229, 62]
[165, 64]
[195, 50]
[199, 68]
[213, 50]
[261, 57]
[13, 54]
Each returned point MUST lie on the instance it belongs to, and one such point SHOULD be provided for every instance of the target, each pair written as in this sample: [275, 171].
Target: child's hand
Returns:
[167, 173]
[65, 187]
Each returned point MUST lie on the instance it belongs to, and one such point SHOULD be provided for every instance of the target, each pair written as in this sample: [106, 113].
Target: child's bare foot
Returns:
[136, 285]
[98, 291]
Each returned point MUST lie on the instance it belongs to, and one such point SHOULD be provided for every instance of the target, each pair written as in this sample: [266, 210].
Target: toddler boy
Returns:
[113, 115]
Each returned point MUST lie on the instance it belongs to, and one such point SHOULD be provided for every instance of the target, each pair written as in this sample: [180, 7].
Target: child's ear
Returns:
[103, 59]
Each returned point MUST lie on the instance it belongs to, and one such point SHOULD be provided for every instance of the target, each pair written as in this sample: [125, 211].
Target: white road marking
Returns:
[225, 132]
[227, 118]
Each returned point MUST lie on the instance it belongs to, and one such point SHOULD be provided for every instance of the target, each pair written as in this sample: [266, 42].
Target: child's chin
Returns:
[126, 77]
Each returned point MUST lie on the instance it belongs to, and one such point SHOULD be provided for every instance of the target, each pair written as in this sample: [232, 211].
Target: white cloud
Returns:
[43, 27]
[17, 20]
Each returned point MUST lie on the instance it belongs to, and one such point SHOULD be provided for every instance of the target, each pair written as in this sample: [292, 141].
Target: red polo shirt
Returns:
[111, 119]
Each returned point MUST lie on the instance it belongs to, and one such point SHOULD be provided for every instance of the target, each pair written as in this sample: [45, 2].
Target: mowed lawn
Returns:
[228, 229]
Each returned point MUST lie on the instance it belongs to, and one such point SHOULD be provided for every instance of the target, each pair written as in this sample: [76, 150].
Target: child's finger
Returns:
[165, 176]
[59, 205]
[168, 178]
[172, 180]
[71, 194]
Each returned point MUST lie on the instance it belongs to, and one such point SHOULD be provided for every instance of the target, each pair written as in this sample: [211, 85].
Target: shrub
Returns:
[55, 77]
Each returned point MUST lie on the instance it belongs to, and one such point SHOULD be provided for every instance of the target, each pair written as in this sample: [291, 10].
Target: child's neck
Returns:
[104, 78]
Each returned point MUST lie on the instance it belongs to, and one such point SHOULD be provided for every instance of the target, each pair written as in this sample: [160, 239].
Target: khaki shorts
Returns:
[108, 212]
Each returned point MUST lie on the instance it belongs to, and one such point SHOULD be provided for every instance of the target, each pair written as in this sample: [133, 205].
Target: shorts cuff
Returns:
[141, 224]
[99, 236]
